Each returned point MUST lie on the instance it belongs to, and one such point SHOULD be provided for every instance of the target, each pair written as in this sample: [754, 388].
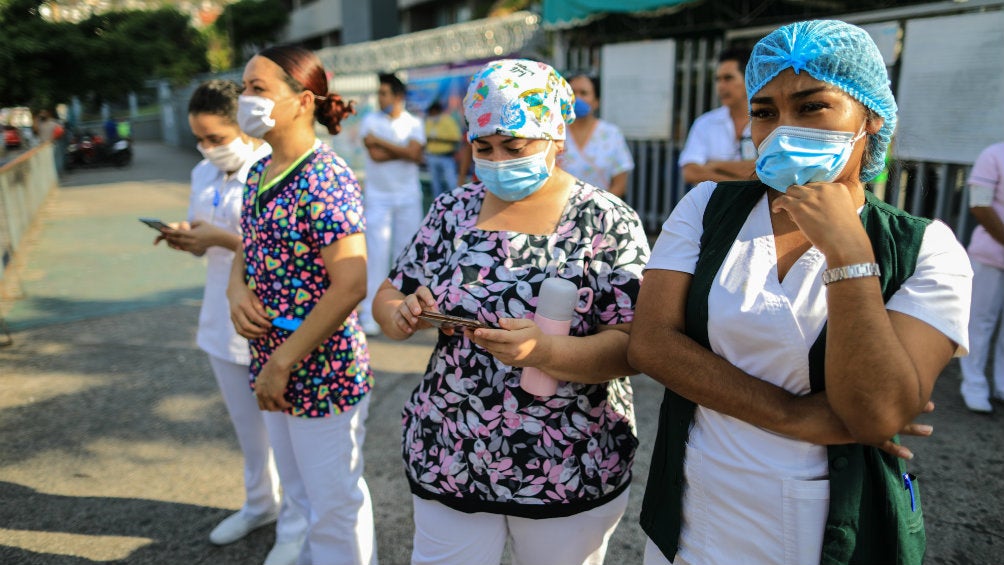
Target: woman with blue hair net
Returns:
[489, 463]
[798, 324]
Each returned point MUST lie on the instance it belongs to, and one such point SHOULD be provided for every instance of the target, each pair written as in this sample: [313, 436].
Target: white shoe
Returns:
[370, 327]
[284, 553]
[236, 526]
[979, 405]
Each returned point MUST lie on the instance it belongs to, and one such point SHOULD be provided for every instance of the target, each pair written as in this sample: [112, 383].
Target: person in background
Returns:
[986, 250]
[797, 321]
[213, 230]
[111, 130]
[442, 138]
[595, 150]
[292, 293]
[718, 146]
[487, 461]
[123, 128]
[47, 128]
[394, 139]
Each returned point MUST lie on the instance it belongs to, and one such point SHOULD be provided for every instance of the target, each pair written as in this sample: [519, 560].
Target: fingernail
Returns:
[925, 428]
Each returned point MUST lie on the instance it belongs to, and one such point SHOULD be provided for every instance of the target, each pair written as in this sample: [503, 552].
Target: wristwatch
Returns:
[855, 271]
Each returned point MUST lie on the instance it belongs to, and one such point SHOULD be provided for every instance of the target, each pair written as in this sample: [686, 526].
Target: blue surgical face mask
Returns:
[794, 155]
[582, 108]
[514, 179]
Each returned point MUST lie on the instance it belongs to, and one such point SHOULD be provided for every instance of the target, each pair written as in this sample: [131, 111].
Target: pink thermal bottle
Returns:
[556, 305]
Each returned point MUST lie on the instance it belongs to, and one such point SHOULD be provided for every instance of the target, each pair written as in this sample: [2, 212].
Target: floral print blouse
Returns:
[473, 439]
[315, 205]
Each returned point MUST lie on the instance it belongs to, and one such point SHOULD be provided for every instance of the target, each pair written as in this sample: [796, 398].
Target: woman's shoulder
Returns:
[327, 156]
[608, 129]
[586, 196]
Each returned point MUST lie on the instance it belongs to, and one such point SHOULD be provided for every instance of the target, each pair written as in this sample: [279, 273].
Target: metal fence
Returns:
[24, 184]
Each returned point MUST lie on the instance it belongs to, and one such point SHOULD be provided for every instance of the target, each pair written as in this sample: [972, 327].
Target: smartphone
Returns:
[156, 224]
[440, 320]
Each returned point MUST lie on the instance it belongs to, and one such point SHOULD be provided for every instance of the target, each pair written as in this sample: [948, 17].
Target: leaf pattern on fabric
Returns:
[470, 431]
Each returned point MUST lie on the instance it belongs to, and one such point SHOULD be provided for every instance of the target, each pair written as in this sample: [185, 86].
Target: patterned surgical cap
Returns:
[518, 98]
[840, 54]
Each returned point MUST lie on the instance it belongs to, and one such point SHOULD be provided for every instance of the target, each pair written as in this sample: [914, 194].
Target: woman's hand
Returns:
[827, 214]
[164, 235]
[911, 429]
[246, 311]
[405, 316]
[195, 239]
[519, 342]
[270, 386]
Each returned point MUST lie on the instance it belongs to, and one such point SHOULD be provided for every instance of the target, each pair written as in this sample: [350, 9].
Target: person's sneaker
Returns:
[284, 553]
[370, 327]
[979, 405]
[236, 526]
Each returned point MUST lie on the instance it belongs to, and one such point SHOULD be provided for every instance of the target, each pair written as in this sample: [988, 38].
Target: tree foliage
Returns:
[102, 58]
[252, 25]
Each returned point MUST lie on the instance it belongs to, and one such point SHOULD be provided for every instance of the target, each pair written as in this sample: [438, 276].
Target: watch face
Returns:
[441, 320]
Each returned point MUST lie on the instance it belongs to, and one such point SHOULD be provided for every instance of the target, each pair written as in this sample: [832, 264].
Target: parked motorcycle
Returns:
[89, 150]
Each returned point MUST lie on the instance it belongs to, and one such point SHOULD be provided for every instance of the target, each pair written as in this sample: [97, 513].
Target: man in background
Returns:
[393, 194]
[719, 146]
[442, 135]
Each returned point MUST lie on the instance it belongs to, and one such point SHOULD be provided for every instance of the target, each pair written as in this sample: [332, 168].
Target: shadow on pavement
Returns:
[159, 528]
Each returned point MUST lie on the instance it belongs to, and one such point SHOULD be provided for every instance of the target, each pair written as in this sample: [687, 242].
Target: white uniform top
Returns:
[713, 138]
[605, 156]
[397, 176]
[750, 492]
[217, 200]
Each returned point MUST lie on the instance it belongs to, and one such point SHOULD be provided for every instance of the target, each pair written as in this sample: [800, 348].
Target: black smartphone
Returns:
[440, 320]
[155, 224]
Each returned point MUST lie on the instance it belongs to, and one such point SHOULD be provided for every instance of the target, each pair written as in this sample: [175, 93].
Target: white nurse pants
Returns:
[320, 462]
[444, 536]
[984, 317]
[261, 483]
[391, 223]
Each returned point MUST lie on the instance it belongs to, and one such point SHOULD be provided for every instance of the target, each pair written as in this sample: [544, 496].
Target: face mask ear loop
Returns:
[550, 169]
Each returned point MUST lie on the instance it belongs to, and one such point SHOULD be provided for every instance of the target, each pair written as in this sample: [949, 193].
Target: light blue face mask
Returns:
[514, 179]
[794, 155]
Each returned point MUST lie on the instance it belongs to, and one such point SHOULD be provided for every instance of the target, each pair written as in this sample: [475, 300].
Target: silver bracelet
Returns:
[855, 271]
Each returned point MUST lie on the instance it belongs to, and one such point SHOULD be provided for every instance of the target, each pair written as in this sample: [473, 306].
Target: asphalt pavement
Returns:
[115, 446]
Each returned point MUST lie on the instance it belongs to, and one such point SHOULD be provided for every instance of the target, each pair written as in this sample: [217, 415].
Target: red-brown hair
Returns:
[304, 71]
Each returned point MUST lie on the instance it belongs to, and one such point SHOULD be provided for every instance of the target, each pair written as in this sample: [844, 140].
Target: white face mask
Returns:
[230, 157]
[254, 115]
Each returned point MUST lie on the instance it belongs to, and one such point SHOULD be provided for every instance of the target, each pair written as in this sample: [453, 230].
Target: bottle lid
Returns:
[557, 299]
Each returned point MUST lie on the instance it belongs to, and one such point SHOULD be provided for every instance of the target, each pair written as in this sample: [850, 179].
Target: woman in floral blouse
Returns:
[488, 462]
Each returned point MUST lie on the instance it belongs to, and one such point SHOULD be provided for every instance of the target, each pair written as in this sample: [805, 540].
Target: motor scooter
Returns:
[88, 150]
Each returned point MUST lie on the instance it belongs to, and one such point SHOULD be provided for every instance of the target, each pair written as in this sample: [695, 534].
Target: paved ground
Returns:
[115, 446]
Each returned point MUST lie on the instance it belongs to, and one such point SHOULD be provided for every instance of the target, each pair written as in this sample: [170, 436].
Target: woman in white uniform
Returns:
[798, 323]
[213, 230]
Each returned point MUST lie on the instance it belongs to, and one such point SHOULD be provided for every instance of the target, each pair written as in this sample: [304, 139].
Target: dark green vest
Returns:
[870, 517]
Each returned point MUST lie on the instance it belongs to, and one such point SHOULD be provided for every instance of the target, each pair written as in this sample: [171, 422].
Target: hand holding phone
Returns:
[156, 224]
[440, 320]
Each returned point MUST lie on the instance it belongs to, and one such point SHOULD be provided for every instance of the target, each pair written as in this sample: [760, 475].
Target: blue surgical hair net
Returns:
[840, 54]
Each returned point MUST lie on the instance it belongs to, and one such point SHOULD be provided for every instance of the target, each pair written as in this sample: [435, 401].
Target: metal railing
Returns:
[24, 184]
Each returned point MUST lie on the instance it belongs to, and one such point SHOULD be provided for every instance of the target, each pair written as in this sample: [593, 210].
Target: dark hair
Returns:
[396, 86]
[304, 71]
[741, 55]
[434, 107]
[216, 97]
[595, 80]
